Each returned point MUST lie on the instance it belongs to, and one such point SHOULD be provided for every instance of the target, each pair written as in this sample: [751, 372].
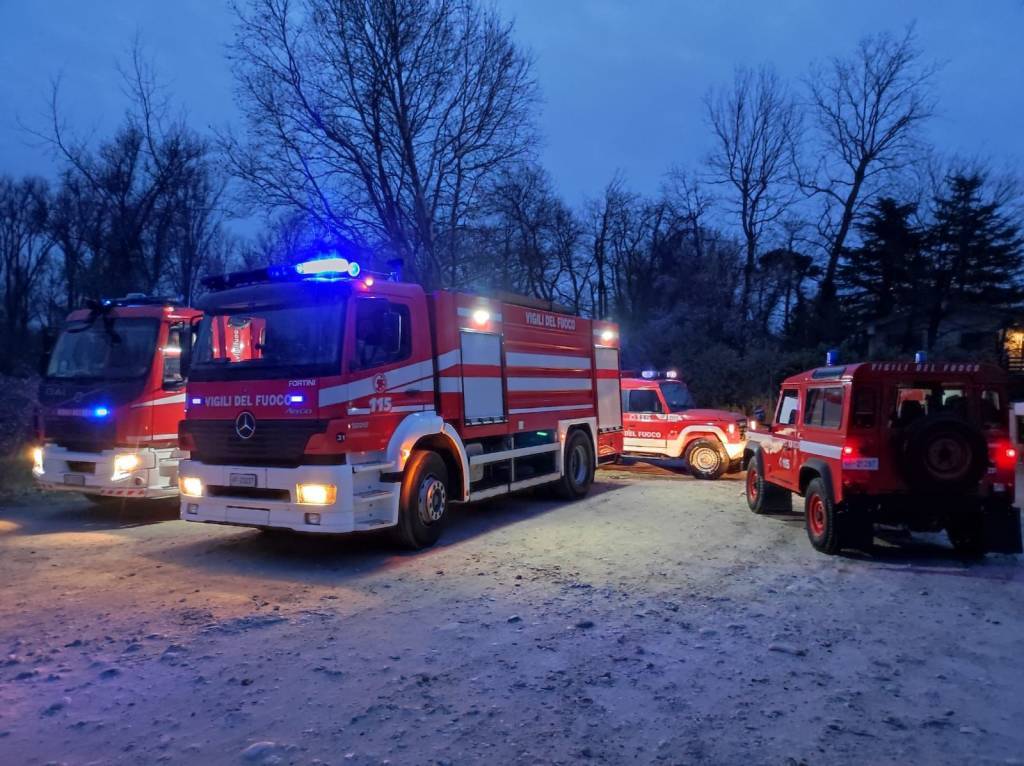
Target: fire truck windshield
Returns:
[677, 396]
[269, 341]
[104, 348]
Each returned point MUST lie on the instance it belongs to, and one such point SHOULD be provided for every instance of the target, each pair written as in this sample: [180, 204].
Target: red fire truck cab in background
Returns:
[325, 400]
[111, 400]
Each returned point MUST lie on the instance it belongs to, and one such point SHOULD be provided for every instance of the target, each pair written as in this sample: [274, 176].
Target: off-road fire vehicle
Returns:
[922, 445]
[662, 419]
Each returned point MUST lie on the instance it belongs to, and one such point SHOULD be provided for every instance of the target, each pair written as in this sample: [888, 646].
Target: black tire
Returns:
[577, 467]
[943, 454]
[706, 459]
[822, 519]
[966, 535]
[423, 503]
[763, 496]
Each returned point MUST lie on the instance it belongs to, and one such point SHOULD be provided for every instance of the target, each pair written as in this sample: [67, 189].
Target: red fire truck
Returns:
[323, 399]
[111, 400]
[662, 419]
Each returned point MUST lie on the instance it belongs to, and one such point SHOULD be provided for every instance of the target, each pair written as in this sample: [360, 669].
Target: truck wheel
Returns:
[423, 504]
[577, 467]
[763, 496]
[966, 535]
[706, 459]
[821, 519]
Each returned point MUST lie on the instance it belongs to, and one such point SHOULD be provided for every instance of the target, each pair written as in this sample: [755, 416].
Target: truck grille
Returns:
[275, 442]
[80, 434]
[741, 425]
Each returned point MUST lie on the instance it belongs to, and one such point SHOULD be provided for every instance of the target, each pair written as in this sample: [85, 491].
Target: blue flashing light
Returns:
[832, 357]
[196, 400]
[296, 398]
[648, 374]
[329, 266]
[100, 412]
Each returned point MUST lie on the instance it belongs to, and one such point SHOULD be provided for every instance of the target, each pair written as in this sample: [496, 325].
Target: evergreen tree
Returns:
[877, 278]
[975, 252]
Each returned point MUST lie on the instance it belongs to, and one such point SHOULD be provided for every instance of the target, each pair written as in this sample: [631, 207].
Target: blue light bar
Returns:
[329, 266]
[648, 374]
[197, 400]
[296, 398]
[100, 412]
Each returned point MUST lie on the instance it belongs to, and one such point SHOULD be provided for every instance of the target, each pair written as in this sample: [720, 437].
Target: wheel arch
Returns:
[752, 451]
[430, 432]
[566, 427]
[817, 469]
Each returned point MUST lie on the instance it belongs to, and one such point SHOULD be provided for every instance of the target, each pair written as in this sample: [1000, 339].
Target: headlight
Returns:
[190, 486]
[37, 460]
[126, 463]
[731, 429]
[316, 494]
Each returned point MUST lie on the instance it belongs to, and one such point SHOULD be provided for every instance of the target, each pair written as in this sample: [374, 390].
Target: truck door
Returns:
[386, 380]
[780, 464]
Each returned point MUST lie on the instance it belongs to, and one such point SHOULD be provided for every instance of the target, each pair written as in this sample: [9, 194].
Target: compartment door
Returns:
[483, 393]
[609, 397]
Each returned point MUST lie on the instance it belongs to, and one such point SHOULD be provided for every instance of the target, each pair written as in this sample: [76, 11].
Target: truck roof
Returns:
[863, 372]
[154, 311]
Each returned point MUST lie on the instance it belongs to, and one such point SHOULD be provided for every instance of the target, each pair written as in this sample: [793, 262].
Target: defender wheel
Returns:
[423, 504]
[577, 467]
[706, 459]
[966, 536]
[821, 519]
[762, 496]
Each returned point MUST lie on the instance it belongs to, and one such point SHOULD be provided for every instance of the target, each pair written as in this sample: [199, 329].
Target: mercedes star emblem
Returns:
[245, 425]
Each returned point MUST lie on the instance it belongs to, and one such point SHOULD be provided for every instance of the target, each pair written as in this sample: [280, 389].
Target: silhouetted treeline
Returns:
[408, 130]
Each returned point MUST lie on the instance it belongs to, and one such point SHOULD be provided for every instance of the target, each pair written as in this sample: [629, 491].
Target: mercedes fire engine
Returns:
[111, 400]
[324, 399]
[662, 419]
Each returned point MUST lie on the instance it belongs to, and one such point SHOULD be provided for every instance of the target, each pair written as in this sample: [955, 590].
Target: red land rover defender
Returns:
[920, 445]
[661, 418]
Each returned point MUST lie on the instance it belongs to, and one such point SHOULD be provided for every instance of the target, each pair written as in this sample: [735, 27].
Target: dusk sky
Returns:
[622, 81]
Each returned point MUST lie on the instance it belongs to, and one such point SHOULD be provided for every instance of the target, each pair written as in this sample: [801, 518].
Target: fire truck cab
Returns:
[661, 418]
[323, 399]
[921, 445]
[111, 399]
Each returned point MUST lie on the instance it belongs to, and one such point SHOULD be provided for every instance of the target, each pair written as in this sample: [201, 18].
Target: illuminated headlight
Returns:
[37, 461]
[731, 428]
[126, 463]
[316, 494]
[190, 486]
[752, 424]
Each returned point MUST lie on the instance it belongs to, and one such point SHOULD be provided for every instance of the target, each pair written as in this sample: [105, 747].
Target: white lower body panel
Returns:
[363, 502]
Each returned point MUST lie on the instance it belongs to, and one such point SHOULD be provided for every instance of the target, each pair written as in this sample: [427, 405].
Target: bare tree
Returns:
[755, 124]
[25, 246]
[380, 119]
[867, 109]
[143, 209]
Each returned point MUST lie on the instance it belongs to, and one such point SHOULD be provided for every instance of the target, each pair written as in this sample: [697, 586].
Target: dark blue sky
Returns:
[622, 81]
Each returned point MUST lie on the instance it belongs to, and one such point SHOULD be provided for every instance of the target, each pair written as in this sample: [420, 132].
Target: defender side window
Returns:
[383, 333]
[789, 406]
[824, 407]
[643, 400]
[865, 405]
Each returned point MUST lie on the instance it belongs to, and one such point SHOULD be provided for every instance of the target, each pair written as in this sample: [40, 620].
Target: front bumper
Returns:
[735, 449]
[363, 501]
[92, 473]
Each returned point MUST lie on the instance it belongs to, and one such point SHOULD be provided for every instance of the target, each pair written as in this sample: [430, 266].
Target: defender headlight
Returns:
[316, 494]
[37, 460]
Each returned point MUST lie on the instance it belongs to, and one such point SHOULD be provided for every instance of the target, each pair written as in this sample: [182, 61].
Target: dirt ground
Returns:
[657, 621]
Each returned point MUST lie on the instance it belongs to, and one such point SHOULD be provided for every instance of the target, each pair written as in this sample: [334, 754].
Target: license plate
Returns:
[75, 479]
[242, 480]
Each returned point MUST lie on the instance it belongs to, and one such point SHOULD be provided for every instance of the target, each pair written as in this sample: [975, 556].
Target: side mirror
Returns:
[188, 339]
